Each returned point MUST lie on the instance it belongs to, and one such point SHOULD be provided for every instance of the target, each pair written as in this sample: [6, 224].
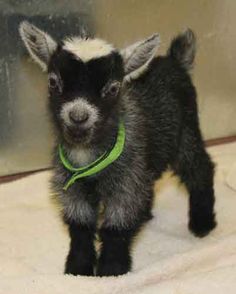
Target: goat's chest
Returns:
[80, 156]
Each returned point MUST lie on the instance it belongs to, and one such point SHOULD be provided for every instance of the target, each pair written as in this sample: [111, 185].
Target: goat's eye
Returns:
[54, 82]
[111, 89]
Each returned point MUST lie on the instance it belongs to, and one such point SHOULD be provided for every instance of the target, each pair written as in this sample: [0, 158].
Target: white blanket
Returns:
[167, 258]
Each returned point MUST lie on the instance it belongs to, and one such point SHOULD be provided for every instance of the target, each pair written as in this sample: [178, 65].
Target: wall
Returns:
[214, 22]
[25, 133]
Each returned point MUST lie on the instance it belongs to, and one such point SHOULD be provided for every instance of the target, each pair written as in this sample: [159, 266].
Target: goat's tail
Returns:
[183, 49]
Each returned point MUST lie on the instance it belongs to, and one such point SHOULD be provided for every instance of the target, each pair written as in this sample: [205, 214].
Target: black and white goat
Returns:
[93, 87]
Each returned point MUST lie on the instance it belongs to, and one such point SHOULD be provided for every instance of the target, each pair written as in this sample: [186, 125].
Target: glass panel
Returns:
[25, 134]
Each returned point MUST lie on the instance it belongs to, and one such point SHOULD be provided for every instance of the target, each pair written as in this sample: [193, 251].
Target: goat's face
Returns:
[85, 77]
[84, 87]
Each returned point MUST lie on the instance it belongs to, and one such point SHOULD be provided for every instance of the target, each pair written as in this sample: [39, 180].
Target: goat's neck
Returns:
[82, 155]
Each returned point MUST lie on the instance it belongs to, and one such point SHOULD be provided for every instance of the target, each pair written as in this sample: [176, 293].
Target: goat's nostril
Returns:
[75, 118]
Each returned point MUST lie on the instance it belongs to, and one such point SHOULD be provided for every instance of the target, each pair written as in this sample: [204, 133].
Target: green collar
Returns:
[99, 164]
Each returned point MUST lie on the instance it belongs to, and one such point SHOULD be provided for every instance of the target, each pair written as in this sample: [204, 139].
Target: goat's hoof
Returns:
[112, 269]
[201, 227]
[74, 268]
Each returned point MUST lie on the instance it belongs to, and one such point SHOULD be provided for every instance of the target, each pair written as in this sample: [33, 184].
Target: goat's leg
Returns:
[115, 256]
[127, 209]
[81, 258]
[196, 171]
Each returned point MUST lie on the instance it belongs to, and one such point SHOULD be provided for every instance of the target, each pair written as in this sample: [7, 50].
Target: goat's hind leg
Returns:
[196, 171]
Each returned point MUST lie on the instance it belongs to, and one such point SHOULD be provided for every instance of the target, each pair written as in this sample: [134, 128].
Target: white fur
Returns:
[87, 49]
[80, 156]
[82, 106]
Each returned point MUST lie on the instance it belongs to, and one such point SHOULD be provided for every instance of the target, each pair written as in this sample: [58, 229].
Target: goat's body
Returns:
[160, 116]
[92, 87]
[154, 117]
[161, 95]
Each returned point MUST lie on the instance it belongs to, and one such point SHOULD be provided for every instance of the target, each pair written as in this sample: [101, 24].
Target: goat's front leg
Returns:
[127, 208]
[115, 256]
[81, 258]
[80, 215]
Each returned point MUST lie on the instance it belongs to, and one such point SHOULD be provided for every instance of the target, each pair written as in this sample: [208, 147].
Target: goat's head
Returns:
[85, 77]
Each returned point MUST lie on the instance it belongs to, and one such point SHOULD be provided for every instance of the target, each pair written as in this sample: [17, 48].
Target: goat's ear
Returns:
[38, 43]
[138, 56]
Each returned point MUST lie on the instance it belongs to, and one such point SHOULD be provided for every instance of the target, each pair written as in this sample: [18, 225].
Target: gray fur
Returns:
[137, 56]
[127, 189]
[183, 49]
[39, 44]
[124, 191]
[73, 207]
[80, 109]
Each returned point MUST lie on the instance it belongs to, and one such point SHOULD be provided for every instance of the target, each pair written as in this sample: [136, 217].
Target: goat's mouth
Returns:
[77, 135]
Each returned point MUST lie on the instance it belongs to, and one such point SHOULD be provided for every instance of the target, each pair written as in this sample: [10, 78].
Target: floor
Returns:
[167, 258]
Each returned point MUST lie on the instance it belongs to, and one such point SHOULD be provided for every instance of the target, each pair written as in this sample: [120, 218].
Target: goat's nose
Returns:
[78, 118]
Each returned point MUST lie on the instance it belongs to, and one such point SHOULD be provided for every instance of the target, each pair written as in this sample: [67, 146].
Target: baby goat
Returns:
[122, 118]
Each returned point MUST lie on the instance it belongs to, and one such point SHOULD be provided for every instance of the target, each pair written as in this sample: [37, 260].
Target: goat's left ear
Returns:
[138, 56]
[38, 43]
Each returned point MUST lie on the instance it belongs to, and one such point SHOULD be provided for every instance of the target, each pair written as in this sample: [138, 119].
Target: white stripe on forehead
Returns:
[87, 49]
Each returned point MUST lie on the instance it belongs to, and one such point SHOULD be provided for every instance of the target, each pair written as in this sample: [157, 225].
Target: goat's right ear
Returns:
[38, 43]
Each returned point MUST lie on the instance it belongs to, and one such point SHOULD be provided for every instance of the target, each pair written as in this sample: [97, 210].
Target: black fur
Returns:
[159, 110]
[115, 257]
[82, 257]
